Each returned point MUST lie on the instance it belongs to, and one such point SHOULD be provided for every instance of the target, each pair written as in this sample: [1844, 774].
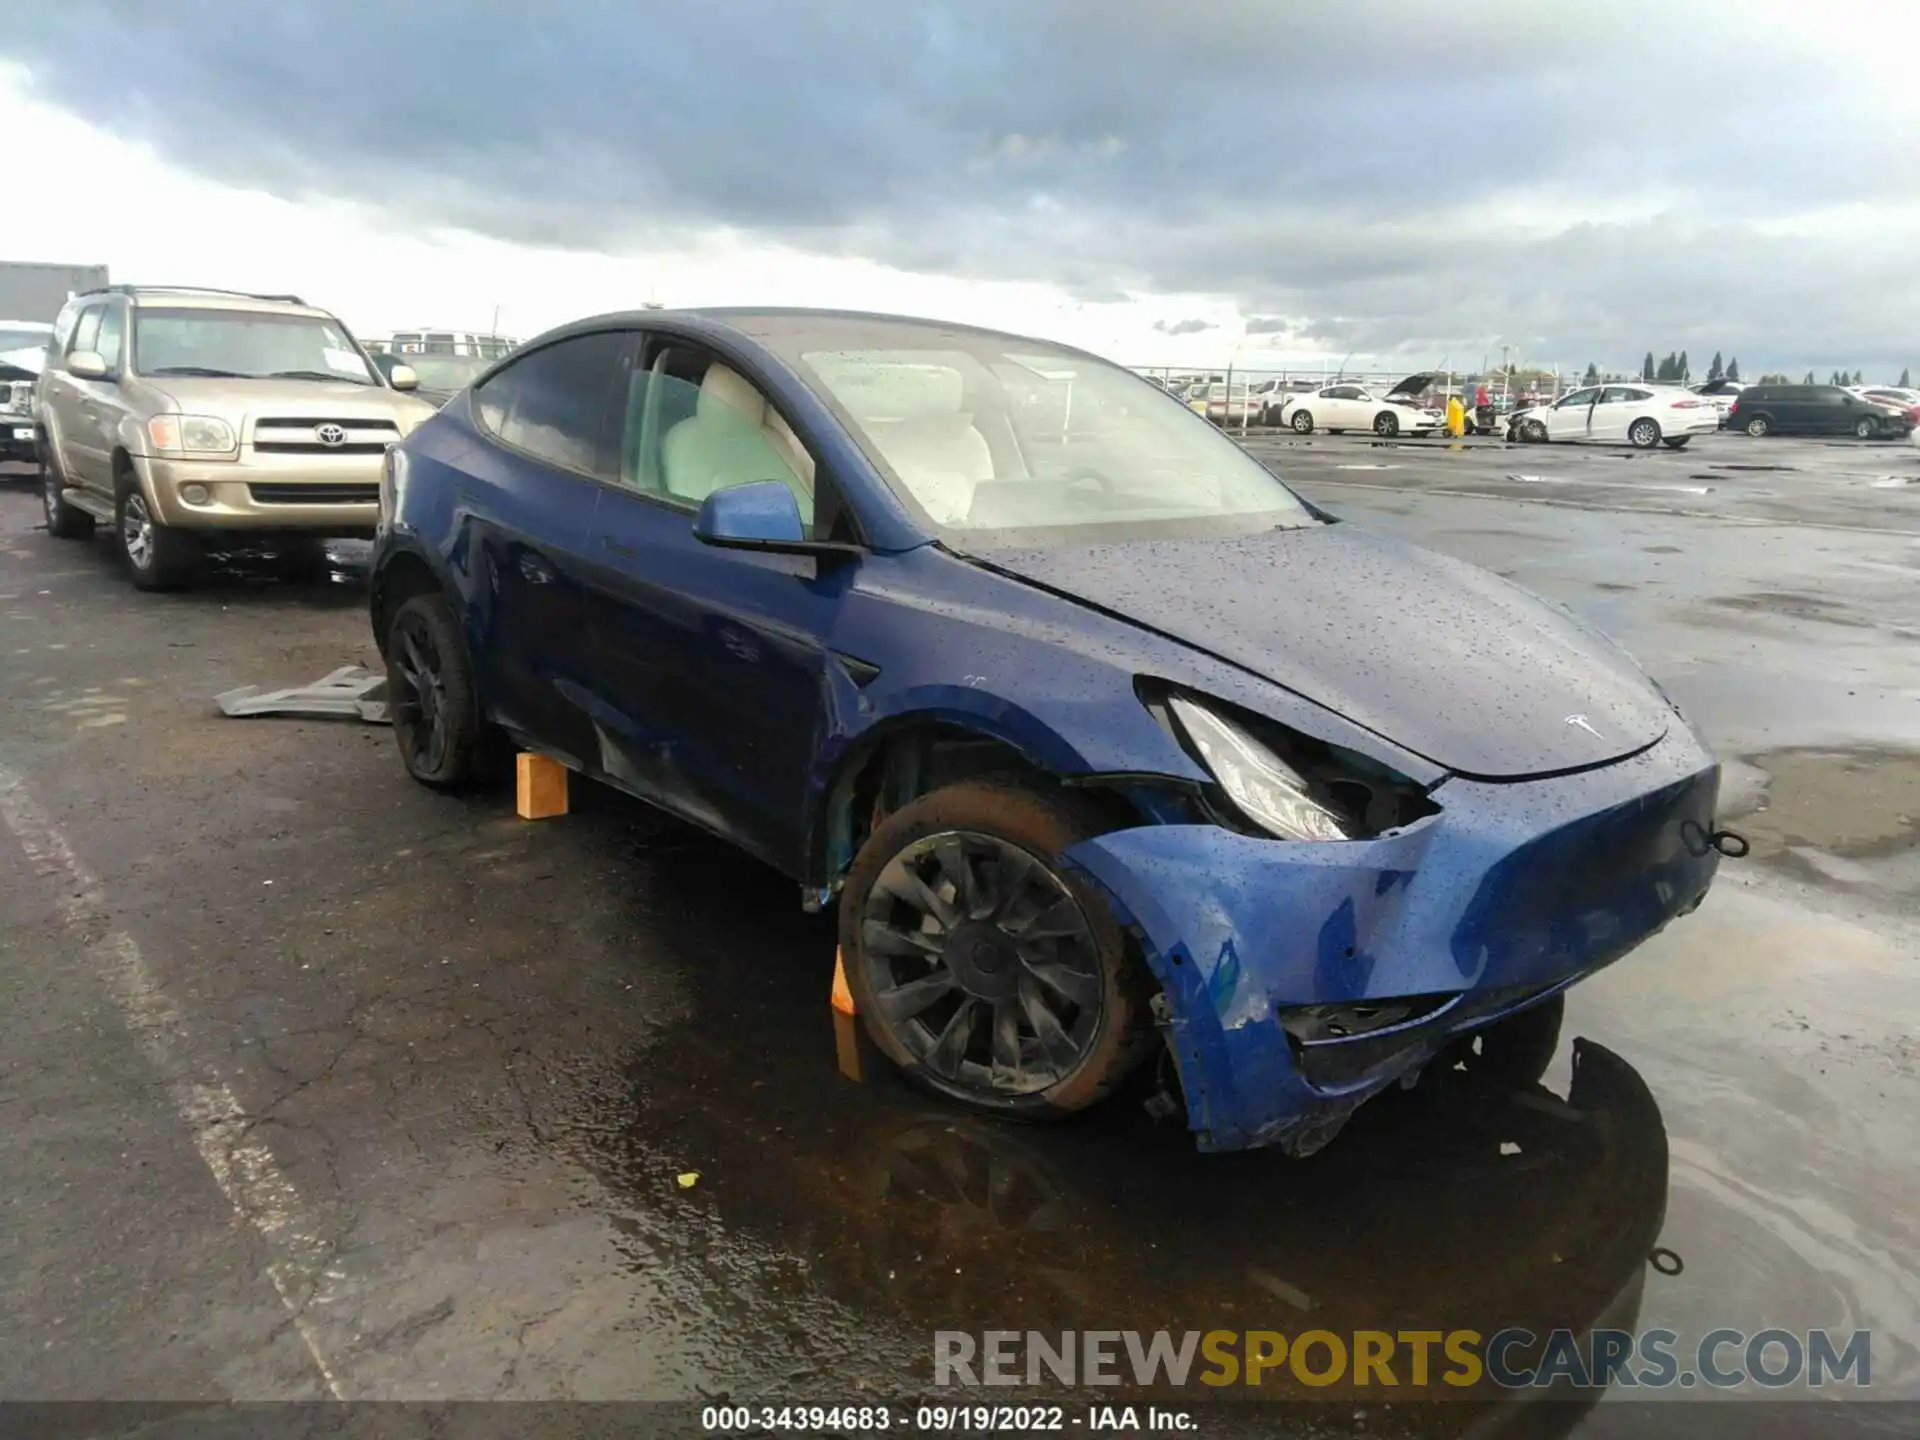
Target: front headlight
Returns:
[1264, 786]
[190, 435]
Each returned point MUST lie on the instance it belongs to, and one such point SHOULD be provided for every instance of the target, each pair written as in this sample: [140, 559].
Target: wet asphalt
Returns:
[314, 1083]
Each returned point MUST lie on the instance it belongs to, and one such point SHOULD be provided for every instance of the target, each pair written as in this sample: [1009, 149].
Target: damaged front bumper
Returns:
[1508, 895]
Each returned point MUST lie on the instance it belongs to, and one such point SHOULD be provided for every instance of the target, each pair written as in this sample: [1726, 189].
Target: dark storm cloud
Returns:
[1337, 171]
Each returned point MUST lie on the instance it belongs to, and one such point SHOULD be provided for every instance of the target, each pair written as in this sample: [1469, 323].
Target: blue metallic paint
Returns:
[704, 679]
[761, 511]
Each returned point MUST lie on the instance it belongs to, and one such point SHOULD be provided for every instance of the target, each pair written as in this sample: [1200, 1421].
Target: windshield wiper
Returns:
[205, 372]
[331, 375]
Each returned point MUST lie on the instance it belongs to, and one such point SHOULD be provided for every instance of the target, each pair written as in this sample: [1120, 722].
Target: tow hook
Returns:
[1698, 840]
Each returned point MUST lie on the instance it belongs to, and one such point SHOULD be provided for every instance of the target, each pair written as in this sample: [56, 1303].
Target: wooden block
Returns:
[846, 1027]
[540, 787]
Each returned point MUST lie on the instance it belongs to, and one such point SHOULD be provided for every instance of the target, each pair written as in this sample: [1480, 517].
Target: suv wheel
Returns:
[63, 521]
[984, 968]
[158, 556]
[1758, 426]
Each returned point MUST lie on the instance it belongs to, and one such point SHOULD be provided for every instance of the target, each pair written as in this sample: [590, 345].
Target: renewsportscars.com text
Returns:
[1405, 1359]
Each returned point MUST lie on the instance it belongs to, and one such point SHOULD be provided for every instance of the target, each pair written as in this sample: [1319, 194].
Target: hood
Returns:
[1414, 386]
[28, 362]
[239, 400]
[1438, 656]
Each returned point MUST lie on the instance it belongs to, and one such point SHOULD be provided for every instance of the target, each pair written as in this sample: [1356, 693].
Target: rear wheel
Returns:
[1386, 424]
[1644, 433]
[1677, 442]
[63, 521]
[982, 967]
[1302, 422]
[1758, 426]
[431, 694]
[158, 557]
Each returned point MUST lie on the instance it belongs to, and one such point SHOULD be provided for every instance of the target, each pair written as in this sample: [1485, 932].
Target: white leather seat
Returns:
[732, 438]
[939, 458]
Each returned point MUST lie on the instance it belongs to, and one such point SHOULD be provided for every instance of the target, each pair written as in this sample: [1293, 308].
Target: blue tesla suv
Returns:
[1103, 741]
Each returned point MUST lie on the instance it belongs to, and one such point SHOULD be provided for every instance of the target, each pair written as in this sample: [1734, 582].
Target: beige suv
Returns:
[178, 415]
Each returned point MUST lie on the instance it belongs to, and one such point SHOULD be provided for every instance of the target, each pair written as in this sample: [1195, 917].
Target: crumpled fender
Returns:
[1518, 886]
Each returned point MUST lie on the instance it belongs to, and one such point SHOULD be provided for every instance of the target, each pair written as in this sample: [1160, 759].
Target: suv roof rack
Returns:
[189, 290]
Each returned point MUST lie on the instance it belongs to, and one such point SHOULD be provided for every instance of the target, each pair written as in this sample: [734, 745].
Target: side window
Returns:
[695, 425]
[1620, 395]
[1577, 398]
[559, 403]
[87, 332]
[112, 328]
[63, 324]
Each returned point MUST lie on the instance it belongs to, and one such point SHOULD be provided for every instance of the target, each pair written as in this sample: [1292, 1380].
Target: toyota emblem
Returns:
[330, 434]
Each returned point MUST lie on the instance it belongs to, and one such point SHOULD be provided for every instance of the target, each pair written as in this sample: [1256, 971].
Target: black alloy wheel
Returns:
[430, 693]
[980, 968]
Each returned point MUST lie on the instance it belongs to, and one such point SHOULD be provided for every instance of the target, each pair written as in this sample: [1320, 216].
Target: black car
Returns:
[1814, 410]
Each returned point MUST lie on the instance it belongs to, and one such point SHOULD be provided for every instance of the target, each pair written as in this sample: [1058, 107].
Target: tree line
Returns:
[1674, 369]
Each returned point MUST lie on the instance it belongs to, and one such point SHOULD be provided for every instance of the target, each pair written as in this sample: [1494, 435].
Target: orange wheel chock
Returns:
[846, 1028]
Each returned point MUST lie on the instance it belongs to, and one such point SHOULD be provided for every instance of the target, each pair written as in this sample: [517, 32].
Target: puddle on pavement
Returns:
[1447, 1206]
[1849, 803]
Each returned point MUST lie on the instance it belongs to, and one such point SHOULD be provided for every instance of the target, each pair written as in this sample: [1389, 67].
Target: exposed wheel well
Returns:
[898, 767]
[399, 580]
[124, 475]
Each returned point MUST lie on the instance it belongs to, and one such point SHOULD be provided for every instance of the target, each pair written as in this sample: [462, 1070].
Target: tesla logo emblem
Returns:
[1582, 723]
[330, 434]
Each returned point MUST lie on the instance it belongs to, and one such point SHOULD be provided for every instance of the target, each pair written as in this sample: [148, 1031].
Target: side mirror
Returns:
[758, 515]
[403, 377]
[87, 364]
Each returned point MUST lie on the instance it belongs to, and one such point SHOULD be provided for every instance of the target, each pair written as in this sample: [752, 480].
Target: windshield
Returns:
[245, 344]
[1016, 442]
[14, 337]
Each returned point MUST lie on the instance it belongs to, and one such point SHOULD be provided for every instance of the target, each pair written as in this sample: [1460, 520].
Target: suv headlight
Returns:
[1270, 791]
[190, 435]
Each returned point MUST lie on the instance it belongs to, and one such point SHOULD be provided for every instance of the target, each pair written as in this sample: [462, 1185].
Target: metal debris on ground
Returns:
[350, 693]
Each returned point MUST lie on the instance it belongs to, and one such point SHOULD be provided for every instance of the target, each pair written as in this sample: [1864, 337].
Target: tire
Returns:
[1677, 442]
[63, 521]
[1534, 433]
[1644, 433]
[432, 695]
[1302, 422]
[1759, 426]
[951, 999]
[1866, 428]
[1386, 425]
[1516, 1050]
[157, 557]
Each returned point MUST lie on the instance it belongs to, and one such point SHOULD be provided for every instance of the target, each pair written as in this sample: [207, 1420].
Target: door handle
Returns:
[536, 570]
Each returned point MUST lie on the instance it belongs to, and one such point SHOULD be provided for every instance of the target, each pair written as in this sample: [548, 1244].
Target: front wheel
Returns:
[158, 557]
[1759, 426]
[1643, 434]
[980, 965]
[431, 694]
[1302, 422]
[1516, 1050]
[1866, 429]
[1534, 432]
[1678, 442]
[1386, 424]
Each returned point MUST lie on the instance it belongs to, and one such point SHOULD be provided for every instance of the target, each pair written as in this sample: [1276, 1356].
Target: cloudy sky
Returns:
[1166, 183]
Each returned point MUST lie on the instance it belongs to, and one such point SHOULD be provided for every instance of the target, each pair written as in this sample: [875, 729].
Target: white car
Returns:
[1345, 405]
[1720, 394]
[1642, 416]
